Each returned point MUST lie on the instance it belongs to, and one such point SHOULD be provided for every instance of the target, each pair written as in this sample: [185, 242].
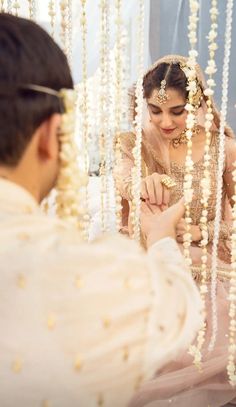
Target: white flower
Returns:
[214, 11]
[210, 70]
[193, 53]
[211, 62]
[192, 27]
[208, 124]
[211, 82]
[191, 117]
[194, 6]
[212, 35]
[189, 107]
[188, 195]
[208, 92]
[213, 47]
[192, 87]
[209, 116]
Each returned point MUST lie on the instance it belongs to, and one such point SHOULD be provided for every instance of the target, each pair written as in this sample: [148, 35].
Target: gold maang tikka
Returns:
[159, 95]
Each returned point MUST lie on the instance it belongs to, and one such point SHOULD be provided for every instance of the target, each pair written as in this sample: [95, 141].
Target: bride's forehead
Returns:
[175, 97]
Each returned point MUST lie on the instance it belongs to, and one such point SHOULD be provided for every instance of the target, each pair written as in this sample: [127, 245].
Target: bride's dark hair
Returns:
[172, 73]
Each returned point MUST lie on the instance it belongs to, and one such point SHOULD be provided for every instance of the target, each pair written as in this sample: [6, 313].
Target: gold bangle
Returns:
[168, 182]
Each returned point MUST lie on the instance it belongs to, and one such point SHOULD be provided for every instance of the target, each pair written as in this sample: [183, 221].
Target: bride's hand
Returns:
[154, 191]
[181, 229]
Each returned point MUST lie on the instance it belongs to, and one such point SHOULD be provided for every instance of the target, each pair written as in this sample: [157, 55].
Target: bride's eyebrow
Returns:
[153, 106]
[177, 107]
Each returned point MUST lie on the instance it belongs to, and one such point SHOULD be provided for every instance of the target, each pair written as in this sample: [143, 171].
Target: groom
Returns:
[81, 325]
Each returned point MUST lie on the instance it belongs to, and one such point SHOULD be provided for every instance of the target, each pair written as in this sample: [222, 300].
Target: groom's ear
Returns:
[48, 144]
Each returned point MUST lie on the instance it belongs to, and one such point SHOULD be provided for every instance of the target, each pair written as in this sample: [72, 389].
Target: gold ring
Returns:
[168, 182]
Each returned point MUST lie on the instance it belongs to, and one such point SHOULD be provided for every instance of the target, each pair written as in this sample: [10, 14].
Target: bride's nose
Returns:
[166, 121]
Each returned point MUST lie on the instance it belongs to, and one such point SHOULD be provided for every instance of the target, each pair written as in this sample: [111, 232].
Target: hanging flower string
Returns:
[221, 161]
[136, 170]
[206, 180]
[2, 8]
[69, 32]
[64, 7]
[71, 179]
[104, 96]
[32, 9]
[16, 7]
[52, 15]
[118, 85]
[190, 72]
[84, 110]
[107, 123]
[231, 368]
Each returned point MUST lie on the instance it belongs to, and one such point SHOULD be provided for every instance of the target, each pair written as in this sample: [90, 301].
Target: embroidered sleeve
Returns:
[122, 172]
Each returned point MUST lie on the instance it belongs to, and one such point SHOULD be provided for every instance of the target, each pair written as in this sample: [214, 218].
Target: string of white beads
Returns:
[221, 160]
[136, 170]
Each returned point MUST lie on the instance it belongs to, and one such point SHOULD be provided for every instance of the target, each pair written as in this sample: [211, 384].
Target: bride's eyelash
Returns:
[174, 113]
[178, 113]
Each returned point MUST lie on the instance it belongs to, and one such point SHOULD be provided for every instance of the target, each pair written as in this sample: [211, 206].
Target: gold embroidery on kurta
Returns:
[46, 403]
[23, 236]
[17, 365]
[79, 282]
[100, 400]
[138, 382]
[21, 281]
[125, 353]
[78, 363]
[51, 321]
[106, 322]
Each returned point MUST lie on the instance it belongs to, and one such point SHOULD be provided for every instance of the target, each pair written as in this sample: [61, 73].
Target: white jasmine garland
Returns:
[118, 102]
[221, 160]
[71, 179]
[206, 180]
[32, 9]
[104, 106]
[16, 7]
[64, 27]
[84, 109]
[190, 73]
[52, 15]
[136, 170]
[2, 9]
[69, 32]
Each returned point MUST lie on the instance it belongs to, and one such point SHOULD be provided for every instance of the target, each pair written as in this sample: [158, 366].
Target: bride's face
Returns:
[170, 117]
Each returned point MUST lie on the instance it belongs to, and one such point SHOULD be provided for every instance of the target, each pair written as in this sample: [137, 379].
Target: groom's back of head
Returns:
[28, 56]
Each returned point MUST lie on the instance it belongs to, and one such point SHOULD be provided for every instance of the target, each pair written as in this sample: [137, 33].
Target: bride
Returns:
[163, 169]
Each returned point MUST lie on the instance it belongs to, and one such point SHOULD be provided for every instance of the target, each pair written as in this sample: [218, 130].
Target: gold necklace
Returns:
[182, 138]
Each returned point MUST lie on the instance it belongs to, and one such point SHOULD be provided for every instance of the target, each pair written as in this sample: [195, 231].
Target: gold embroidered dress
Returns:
[152, 162]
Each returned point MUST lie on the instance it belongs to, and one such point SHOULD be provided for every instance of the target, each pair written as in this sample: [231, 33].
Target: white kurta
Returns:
[84, 324]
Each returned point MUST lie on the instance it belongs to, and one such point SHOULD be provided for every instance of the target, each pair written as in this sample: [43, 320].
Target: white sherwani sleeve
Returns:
[176, 310]
[84, 325]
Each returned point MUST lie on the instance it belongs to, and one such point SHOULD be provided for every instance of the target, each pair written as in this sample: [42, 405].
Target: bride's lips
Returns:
[168, 131]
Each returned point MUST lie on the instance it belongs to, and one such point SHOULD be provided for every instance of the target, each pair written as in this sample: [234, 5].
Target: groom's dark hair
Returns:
[28, 55]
